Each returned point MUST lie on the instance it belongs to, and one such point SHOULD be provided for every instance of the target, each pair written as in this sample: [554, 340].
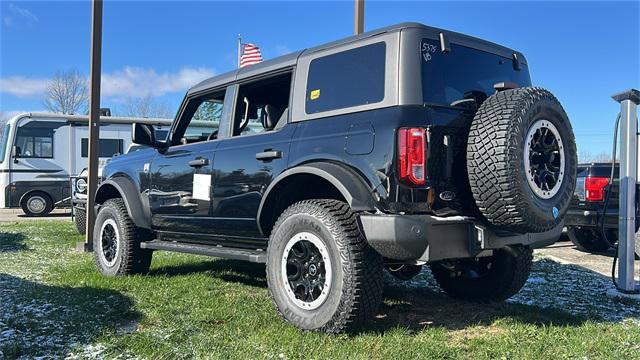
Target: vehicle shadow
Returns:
[556, 294]
[243, 272]
[12, 242]
[45, 321]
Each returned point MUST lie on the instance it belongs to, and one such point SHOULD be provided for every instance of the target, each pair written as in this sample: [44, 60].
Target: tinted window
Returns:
[108, 147]
[261, 105]
[35, 142]
[448, 78]
[349, 78]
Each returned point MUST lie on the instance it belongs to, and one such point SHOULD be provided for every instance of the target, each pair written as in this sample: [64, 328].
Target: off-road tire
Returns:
[356, 287]
[591, 240]
[80, 220]
[45, 197]
[496, 164]
[507, 274]
[404, 272]
[129, 258]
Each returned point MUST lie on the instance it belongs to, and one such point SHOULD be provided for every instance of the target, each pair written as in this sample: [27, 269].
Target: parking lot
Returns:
[18, 215]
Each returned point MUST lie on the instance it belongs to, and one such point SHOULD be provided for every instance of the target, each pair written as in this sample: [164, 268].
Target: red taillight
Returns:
[412, 155]
[594, 188]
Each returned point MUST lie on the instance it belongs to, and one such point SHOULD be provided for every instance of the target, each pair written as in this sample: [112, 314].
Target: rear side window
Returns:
[108, 147]
[345, 79]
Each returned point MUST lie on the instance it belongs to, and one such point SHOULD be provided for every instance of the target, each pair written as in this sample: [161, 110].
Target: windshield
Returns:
[448, 78]
[4, 139]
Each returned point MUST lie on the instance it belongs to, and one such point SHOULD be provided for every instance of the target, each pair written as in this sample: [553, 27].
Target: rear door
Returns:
[253, 156]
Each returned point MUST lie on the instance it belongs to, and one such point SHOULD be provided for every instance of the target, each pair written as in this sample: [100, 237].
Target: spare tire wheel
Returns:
[521, 160]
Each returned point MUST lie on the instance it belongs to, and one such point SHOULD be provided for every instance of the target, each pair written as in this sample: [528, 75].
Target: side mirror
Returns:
[15, 153]
[143, 134]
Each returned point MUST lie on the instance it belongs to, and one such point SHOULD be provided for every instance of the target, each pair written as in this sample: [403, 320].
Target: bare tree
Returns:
[584, 156]
[147, 107]
[67, 93]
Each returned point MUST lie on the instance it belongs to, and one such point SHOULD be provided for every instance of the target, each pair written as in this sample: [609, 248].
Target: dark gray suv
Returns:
[396, 148]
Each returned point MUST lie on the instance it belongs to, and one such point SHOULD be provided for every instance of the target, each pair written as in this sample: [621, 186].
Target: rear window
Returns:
[448, 78]
[345, 79]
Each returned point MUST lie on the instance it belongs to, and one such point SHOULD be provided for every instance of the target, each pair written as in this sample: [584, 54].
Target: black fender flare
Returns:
[350, 184]
[131, 197]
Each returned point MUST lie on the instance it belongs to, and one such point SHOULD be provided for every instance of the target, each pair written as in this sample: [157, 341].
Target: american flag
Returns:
[250, 55]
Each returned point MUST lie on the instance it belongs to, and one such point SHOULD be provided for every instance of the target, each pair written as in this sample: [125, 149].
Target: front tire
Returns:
[36, 203]
[80, 220]
[116, 241]
[321, 272]
[492, 278]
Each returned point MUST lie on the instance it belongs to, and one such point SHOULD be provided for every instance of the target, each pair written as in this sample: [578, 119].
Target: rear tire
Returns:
[493, 278]
[590, 240]
[36, 203]
[80, 220]
[404, 272]
[338, 293]
[116, 241]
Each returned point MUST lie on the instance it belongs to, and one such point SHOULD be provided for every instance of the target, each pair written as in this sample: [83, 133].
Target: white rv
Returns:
[39, 152]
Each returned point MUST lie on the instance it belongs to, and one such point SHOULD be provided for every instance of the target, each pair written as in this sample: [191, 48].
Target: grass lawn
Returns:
[53, 303]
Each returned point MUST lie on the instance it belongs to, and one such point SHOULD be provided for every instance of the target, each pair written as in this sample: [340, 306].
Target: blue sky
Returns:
[582, 51]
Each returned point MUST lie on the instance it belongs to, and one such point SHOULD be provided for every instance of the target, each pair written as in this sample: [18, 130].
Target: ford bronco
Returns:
[397, 148]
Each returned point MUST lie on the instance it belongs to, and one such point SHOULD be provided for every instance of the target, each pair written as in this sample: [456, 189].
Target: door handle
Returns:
[269, 155]
[199, 162]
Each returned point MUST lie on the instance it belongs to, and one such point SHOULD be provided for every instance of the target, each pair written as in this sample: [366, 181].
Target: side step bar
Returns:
[256, 256]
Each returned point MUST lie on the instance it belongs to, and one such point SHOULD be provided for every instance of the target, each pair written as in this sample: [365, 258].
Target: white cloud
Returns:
[22, 12]
[128, 82]
[6, 115]
[22, 86]
[137, 82]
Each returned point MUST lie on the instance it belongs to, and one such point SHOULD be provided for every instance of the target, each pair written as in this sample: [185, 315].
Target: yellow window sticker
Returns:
[315, 94]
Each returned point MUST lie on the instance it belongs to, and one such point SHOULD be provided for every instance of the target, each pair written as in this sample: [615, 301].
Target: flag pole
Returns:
[239, 49]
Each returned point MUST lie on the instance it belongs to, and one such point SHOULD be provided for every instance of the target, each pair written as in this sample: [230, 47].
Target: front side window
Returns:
[462, 75]
[4, 141]
[345, 79]
[108, 147]
[204, 115]
[34, 142]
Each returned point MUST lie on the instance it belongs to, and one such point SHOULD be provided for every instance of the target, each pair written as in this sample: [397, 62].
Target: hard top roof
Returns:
[290, 60]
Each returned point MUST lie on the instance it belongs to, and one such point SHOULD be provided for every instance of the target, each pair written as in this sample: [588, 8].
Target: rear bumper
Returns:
[425, 238]
[591, 218]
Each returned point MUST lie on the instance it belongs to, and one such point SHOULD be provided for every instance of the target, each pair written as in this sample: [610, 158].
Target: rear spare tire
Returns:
[521, 160]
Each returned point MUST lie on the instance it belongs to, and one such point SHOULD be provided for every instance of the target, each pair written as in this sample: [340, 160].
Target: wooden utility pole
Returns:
[94, 122]
[358, 19]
